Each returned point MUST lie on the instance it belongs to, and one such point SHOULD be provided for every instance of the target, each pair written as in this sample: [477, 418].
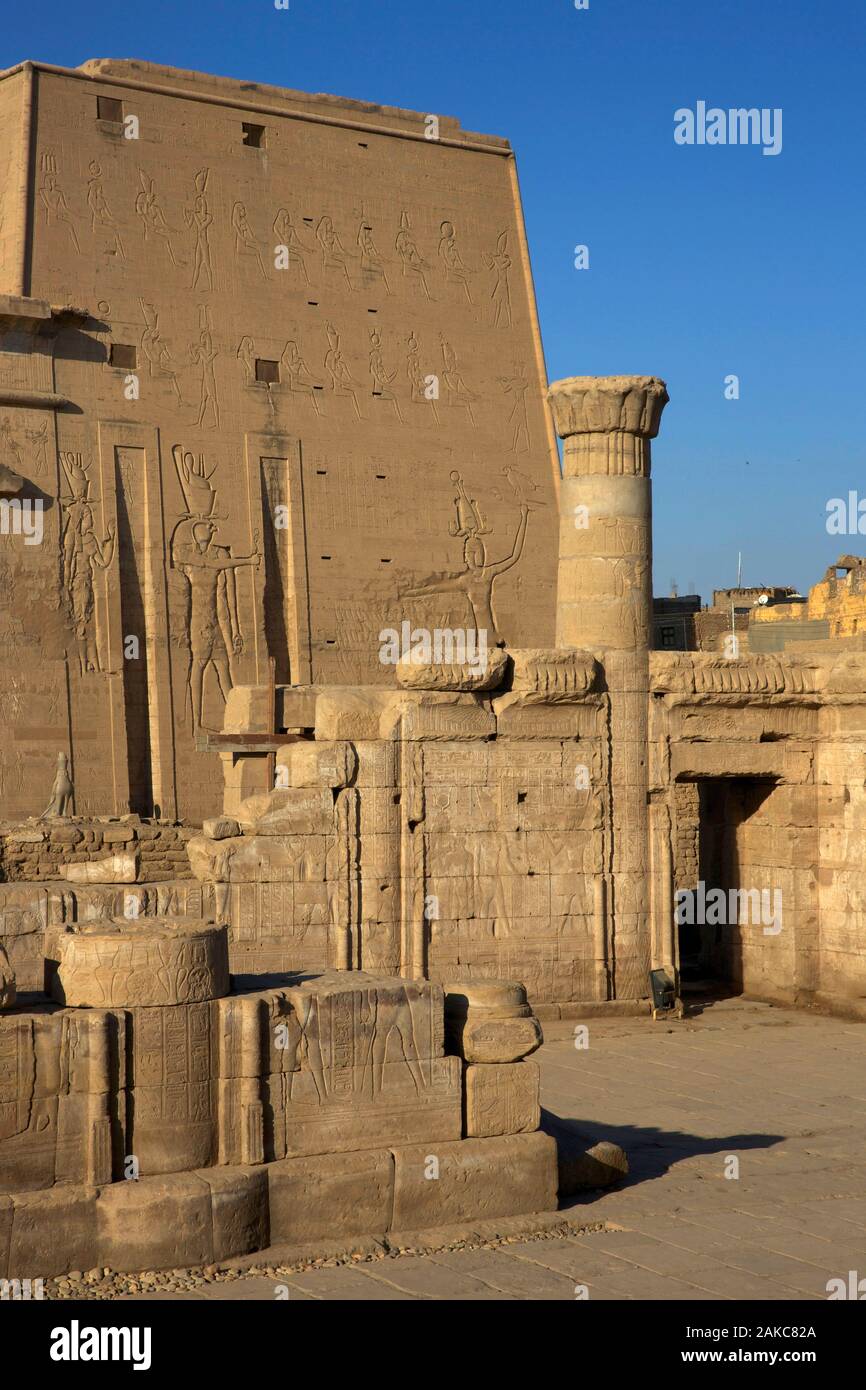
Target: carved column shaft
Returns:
[604, 604]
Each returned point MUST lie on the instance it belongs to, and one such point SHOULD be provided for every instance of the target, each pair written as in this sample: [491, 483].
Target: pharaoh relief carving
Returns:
[479, 574]
[214, 631]
[199, 220]
[247, 359]
[30, 456]
[102, 219]
[82, 552]
[499, 264]
[53, 198]
[152, 217]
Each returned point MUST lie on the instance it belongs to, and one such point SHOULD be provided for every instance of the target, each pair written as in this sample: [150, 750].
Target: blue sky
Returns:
[704, 261]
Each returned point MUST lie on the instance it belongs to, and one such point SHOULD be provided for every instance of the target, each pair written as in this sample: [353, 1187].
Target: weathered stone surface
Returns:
[581, 1164]
[313, 763]
[477, 1179]
[8, 993]
[494, 1039]
[220, 828]
[53, 1231]
[331, 1195]
[552, 677]
[239, 1209]
[486, 672]
[501, 1099]
[288, 811]
[141, 963]
[155, 1223]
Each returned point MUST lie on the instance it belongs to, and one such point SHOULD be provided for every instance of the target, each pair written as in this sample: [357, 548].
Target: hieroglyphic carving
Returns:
[334, 255]
[82, 552]
[246, 242]
[53, 198]
[382, 378]
[287, 236]
[458, 393]
[156, 351]
[101, 215]
[151, 215]
[247, 357]
[372, 264]
[342, 381]
[199, 220]
[414, 267]
[146, 963]
[419, 393]
[204, 354]
[516, 386]
[454, 268]
[299, 378]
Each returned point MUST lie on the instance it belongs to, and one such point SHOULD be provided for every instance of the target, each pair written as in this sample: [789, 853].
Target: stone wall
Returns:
[32, 852]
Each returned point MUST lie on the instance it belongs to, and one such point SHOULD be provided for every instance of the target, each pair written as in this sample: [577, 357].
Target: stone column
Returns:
[604, 604]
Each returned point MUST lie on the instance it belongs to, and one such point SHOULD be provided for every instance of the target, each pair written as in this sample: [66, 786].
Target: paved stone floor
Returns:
[783, 1092]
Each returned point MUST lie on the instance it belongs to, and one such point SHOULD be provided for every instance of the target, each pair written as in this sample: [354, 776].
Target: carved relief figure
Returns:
[334, 256]
[456, 271]
[517, 386]
[500, 294]
[342, 381]
[159, 359]
[82, 552]
[153, 219]
[420, 394]
[299, 376]
[371, 262]
[287, 235]
[54, 199]
[382, 378]
[391, 1019]
[247, 356]
[208, 568]
[411, 260]
[199, 220]
[458, 392]
[100, 213]
[204, 354]
[245, 238]
[477, 579]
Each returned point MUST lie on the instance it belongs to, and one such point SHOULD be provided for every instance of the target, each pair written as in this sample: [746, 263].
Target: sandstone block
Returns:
[155, 1223]
[311, 763]
[493, 1040]
[502, 1099]
[478, 1179]
[220, 828]
[53, 1231]
[288, 811]
[239, 1209]
[487, 672]
[248, 710]
[350, 712]
[331, 1195]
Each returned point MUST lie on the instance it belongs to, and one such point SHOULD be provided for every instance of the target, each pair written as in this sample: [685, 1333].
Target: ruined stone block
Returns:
[501, 1099]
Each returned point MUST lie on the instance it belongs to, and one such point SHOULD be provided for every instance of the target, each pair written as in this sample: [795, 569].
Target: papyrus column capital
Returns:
[607, 421]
